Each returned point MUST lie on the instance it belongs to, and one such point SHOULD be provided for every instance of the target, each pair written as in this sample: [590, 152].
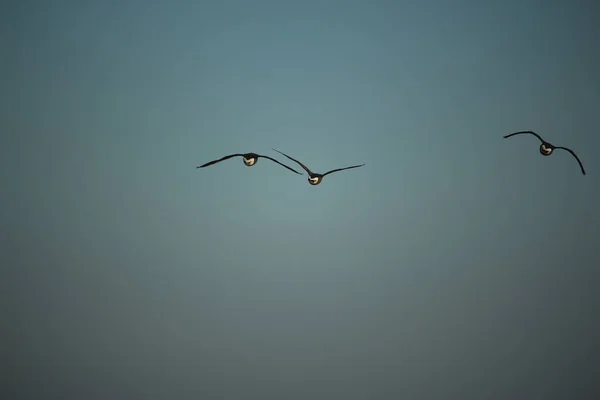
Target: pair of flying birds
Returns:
[250, 159]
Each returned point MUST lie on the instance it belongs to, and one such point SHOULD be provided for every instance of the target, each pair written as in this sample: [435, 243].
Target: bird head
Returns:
[546, 149]
[250, 161]
[315, 179]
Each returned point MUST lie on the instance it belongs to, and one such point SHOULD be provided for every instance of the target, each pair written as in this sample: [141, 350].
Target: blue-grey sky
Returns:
[455, 265]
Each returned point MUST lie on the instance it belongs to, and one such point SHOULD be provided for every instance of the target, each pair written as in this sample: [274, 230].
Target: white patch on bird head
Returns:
[314, 180]
[249, 161]
[547, 150]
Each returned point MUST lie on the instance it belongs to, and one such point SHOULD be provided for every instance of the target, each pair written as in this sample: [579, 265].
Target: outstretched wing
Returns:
[574, 155]
[219, 160]
[523, 132]
[297, 162]
[341, 169]
[283, 165]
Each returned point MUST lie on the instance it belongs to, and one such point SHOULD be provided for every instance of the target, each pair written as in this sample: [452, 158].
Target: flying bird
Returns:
[250, 159]
[314, 178]
[547, 148]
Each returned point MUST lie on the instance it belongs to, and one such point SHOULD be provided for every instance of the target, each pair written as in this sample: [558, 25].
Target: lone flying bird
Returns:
[314, 178]
[547, 148]
[250, 159]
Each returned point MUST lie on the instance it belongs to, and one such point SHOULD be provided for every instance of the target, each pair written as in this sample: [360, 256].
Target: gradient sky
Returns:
[455, 265]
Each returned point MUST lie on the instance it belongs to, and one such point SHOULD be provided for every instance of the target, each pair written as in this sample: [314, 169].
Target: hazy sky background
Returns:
[454, 265]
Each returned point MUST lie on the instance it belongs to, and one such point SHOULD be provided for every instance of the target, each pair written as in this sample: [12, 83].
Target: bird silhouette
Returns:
[547, 148]
[315, 178]
[250, 159]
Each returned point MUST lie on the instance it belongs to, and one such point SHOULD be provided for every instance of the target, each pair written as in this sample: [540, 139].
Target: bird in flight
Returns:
[314, 178]
[547, 148]
[250, 159]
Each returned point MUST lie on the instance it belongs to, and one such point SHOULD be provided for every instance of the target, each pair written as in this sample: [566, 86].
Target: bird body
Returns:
[546, 150]
[315, 180]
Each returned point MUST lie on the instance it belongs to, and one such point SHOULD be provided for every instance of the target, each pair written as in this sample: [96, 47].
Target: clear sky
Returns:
[455, 265]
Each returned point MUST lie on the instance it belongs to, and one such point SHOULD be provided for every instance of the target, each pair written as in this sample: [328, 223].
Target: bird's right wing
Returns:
[219, 160]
